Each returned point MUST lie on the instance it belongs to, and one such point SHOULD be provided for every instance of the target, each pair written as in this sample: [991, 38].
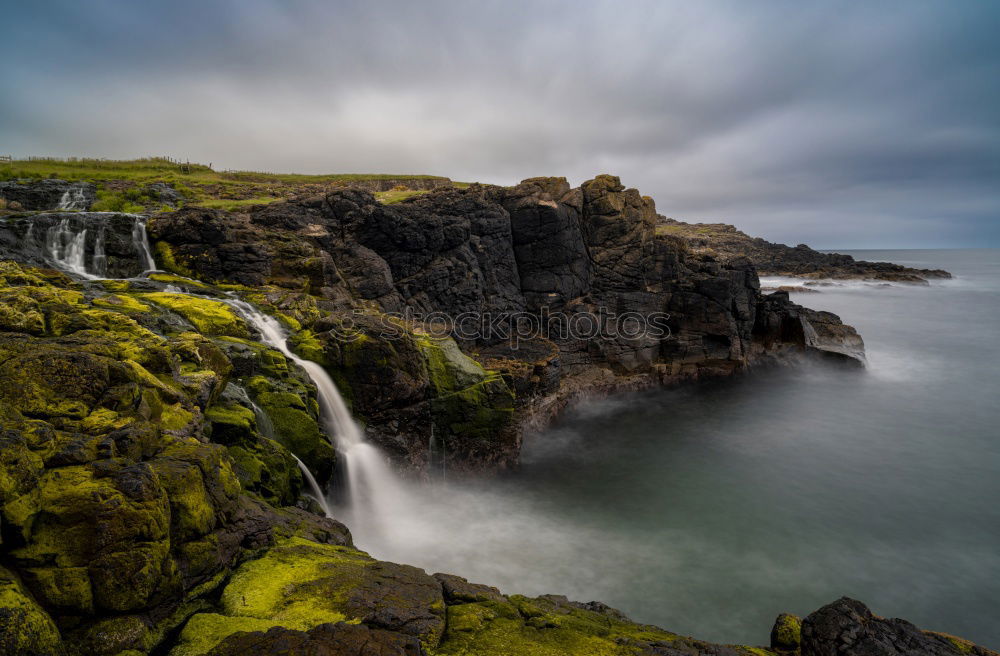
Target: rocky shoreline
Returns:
[151, 500]
[727, 243]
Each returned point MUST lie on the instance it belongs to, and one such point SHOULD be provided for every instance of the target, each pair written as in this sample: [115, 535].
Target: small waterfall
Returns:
[73, 199]
[100, 259]
[266, 428]
[66, 242]
[67, 248]
[372, 487]
[141, 241]
[314, 489]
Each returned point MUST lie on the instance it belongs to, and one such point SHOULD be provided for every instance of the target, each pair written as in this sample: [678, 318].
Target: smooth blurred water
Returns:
[710, 509]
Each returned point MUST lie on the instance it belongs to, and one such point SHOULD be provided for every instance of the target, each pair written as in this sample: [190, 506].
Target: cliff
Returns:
[726, 242]
[557, 291]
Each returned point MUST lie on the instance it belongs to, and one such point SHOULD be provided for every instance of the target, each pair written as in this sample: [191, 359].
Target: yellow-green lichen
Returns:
[206, 630]
[298, 583]
[166, 259]
[121, 302]
[24, 627]
[207, 316]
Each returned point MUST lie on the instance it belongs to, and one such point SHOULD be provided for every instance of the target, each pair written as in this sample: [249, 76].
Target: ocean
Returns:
[708, 509]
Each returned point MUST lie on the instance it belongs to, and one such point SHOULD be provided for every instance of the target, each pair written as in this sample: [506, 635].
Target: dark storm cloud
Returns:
[839, 124]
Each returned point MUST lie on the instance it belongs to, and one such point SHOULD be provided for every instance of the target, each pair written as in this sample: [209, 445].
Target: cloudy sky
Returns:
[841, 124]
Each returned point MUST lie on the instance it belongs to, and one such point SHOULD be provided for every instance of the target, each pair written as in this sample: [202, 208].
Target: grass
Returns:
[396, 196]
[121, 182]
[231, 205]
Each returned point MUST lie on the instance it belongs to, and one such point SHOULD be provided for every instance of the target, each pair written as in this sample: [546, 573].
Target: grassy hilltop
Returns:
[122, 183]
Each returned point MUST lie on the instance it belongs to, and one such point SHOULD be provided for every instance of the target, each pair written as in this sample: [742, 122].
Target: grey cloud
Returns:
[838, 124]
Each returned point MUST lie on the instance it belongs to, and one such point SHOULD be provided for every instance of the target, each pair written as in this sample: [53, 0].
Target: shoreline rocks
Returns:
[725, 242]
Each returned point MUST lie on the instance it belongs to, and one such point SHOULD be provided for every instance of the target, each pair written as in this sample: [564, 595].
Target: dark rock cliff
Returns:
[562, 291]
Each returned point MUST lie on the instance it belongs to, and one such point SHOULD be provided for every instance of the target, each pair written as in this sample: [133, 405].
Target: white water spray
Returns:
[372, 488]
[73, 199]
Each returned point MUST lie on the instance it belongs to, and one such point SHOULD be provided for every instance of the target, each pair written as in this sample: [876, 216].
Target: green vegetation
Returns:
[209, 317]
[122, 183]
[130, 200]
[396, 195]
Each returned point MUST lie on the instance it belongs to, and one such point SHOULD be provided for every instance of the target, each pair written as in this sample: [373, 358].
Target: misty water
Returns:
[709, 509]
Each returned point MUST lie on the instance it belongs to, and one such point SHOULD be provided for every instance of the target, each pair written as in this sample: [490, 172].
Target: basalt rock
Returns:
[847, 626]
[49, 194]
[584, 271]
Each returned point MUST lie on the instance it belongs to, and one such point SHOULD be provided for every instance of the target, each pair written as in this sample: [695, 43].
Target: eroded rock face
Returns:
[847, 626]
[581, 266]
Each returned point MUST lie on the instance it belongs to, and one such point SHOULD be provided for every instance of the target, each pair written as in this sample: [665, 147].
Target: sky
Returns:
[838, 124]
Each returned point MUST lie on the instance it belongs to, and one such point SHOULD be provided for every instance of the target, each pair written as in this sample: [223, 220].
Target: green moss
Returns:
[172, 279]
[548, 626]
[24, 627]
[75, 520]
[175, 417]
[305, 344]
[209, 317]
[121, 302]
[165, 258]
[787, 632]
[206, 630]
[298, 583]
[267, 469]
[103, 420]
[231, 415]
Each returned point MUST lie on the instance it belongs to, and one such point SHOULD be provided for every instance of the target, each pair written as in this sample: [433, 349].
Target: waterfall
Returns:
[100, 259]
[314, 489]
[73, 199]
[66, 244]
[68, 249]
[141, 242]
[372, 487]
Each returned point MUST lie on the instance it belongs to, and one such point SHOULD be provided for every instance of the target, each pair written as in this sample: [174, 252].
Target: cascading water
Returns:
[266, 428]
[372, 487]
[141, 241]
[66, 244]
[100, 262]
[68, 248]
[73, 199]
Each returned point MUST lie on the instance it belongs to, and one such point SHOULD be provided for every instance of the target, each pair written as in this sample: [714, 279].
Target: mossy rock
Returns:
[207, 316]
[25, 628]
[74, 522]
[295, 418]
[548, 626]
[262, 465]
[300, 584]
[206, 630]
[165, 257]
[786, 635]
